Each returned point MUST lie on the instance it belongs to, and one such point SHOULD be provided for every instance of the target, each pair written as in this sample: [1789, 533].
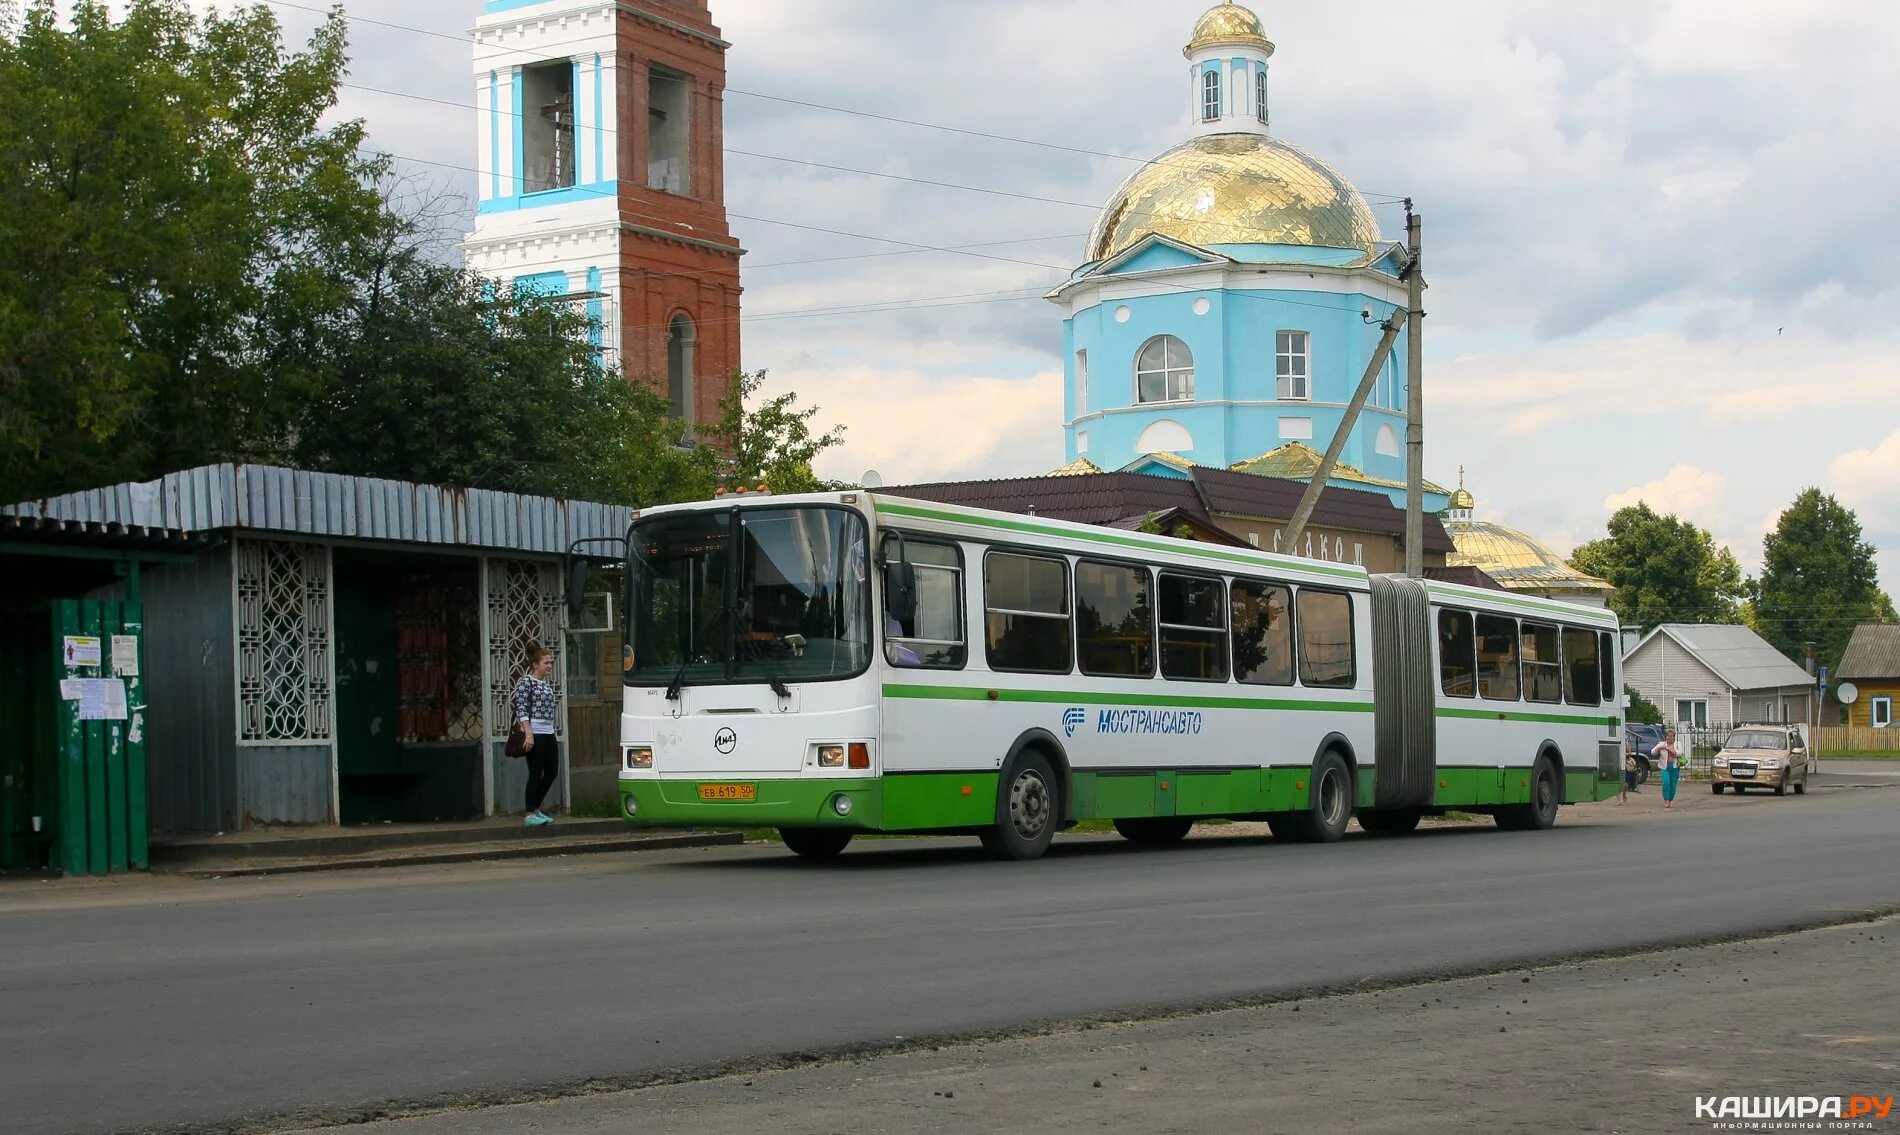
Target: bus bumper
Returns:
[773, 803]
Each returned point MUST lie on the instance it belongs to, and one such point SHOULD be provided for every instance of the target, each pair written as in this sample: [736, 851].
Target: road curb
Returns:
[476, 854]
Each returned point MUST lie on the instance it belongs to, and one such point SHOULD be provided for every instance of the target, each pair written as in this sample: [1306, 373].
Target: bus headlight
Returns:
[831, 756]
[631, 805]
[639, 756]
[841, 805]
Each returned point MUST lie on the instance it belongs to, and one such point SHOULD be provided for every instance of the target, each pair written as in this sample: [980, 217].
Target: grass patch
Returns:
[1869, 755]
[596, 810]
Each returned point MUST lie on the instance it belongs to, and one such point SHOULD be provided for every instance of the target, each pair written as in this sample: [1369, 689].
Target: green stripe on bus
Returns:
[1073, 697]
[1506, 715]
[1257, 560]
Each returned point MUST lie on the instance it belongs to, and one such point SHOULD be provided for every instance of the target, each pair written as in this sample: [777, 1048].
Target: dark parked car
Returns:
[1638, 741]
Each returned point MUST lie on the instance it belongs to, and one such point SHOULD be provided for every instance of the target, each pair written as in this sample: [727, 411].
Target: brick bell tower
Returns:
[600, 135]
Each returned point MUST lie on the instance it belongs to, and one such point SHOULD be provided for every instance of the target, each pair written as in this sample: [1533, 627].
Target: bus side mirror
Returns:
[900, 590]
[576, 587]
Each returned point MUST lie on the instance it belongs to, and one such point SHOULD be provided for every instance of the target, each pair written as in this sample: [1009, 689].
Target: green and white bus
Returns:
[856, 662]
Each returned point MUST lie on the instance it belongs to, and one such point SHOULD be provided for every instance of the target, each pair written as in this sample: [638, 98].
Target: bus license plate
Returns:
[728, 792]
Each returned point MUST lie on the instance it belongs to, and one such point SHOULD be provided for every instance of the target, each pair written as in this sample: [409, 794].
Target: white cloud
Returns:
[1868, 480]
[1685, 490]
[912, 428]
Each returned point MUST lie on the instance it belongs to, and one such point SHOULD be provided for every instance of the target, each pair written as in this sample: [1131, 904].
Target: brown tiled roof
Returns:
[1275, 498]
[1873, 652]
[1103, 498]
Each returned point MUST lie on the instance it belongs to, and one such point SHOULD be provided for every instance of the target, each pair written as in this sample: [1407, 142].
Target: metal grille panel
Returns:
[524, 607]
[283, 641]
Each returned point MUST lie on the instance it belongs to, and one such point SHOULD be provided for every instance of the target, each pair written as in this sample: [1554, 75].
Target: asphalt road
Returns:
[235, 1000]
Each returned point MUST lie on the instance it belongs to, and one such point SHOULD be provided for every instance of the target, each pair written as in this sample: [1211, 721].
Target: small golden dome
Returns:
[1462, 499]
[1236, 189]
[1228, 25]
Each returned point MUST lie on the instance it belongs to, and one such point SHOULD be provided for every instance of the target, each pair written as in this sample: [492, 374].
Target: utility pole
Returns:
[1297, 526]
[1414, 401]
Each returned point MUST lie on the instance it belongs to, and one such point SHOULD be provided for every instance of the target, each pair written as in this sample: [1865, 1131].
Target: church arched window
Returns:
[1210, 95]
[1260, 95]
[1164, 371]
[681, 338]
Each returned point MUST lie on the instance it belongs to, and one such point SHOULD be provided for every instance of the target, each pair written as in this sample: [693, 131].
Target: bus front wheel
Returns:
[1027, 809]
[815, 843]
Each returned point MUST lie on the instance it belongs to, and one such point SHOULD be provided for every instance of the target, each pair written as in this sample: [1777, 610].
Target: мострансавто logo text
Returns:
[1749, 1111]
[1181, 722]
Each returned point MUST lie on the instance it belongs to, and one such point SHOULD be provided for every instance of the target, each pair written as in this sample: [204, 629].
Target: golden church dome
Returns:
[1517, 560]
[1236, 189]
[1460, 499]
[1228, 25]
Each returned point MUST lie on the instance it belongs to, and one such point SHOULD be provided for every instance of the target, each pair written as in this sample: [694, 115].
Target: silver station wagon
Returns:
[1761, 756]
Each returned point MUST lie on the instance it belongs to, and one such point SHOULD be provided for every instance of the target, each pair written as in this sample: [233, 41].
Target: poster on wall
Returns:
[82, 650]
[125, 655]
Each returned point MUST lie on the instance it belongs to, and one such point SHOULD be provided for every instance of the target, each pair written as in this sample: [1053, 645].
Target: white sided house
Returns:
[1711, 676]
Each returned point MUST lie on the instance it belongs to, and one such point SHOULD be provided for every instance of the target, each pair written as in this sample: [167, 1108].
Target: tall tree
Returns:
[1664, 569]
[1818, 580]
[171, 222]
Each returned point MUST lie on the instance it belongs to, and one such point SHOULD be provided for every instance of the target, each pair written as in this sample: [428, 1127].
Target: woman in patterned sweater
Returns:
[534, 710]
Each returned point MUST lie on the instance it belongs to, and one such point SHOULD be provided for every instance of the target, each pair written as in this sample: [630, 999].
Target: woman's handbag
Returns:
[517, 745]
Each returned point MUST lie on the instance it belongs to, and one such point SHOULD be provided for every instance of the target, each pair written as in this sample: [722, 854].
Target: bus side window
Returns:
[1193, 628]
[1457, 655]
[1114, 620]
[934, 637]
[1606, 667]
[1580, 667]
[1497, 657]
[1543, 664]
[1026, 613]
[1262, 615]
[1325, 629]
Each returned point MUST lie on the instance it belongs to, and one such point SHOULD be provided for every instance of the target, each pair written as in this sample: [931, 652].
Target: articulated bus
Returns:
[855, 662]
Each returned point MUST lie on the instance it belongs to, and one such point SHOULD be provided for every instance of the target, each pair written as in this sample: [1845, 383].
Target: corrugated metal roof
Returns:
[265, 498]
[1737, 655]
[1873, 652]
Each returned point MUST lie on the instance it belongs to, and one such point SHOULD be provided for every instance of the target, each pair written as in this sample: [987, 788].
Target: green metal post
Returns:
[138, 822]
[98, 828]
[118, 818]
[72, 751]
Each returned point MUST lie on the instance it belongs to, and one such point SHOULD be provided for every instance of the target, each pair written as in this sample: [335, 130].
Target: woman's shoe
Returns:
[535, 820]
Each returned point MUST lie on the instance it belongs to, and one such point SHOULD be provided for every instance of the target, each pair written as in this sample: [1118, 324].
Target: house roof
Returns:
[1104, 498]
[1742, 659]
[1299, 460]
[265, 498]
[1873, 652]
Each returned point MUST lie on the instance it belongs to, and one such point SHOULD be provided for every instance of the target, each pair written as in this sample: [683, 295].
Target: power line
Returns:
[1391, 199]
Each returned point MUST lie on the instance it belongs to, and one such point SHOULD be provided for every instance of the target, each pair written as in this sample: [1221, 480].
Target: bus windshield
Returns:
[747, 595]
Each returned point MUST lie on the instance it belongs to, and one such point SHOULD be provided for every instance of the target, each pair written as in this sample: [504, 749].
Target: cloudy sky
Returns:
[1651, 226]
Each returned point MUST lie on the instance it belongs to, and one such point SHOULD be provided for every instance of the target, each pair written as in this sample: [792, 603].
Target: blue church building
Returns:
[1231, 296]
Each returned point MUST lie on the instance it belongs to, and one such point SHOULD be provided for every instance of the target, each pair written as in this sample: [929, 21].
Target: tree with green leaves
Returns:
[172, 221]
[200, 271]
[1664, 569]
[1818, 580]
[1641, 709]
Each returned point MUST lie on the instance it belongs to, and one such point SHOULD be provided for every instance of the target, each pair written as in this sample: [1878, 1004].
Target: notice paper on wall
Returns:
[100, 699]
[125, 655]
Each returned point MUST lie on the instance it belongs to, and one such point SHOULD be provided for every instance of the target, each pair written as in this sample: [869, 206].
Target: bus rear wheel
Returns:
[1390, 821]
[815, 843]
[1027, 810]
[1541, 813]
[1154, 832]
[1328, 809]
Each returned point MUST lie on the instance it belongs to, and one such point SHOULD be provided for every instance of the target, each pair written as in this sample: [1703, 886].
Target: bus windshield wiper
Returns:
[770, 665]
[678, 683]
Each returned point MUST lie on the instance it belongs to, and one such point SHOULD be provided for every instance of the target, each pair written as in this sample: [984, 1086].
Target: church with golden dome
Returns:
[1515, 560]
[1231, 294]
